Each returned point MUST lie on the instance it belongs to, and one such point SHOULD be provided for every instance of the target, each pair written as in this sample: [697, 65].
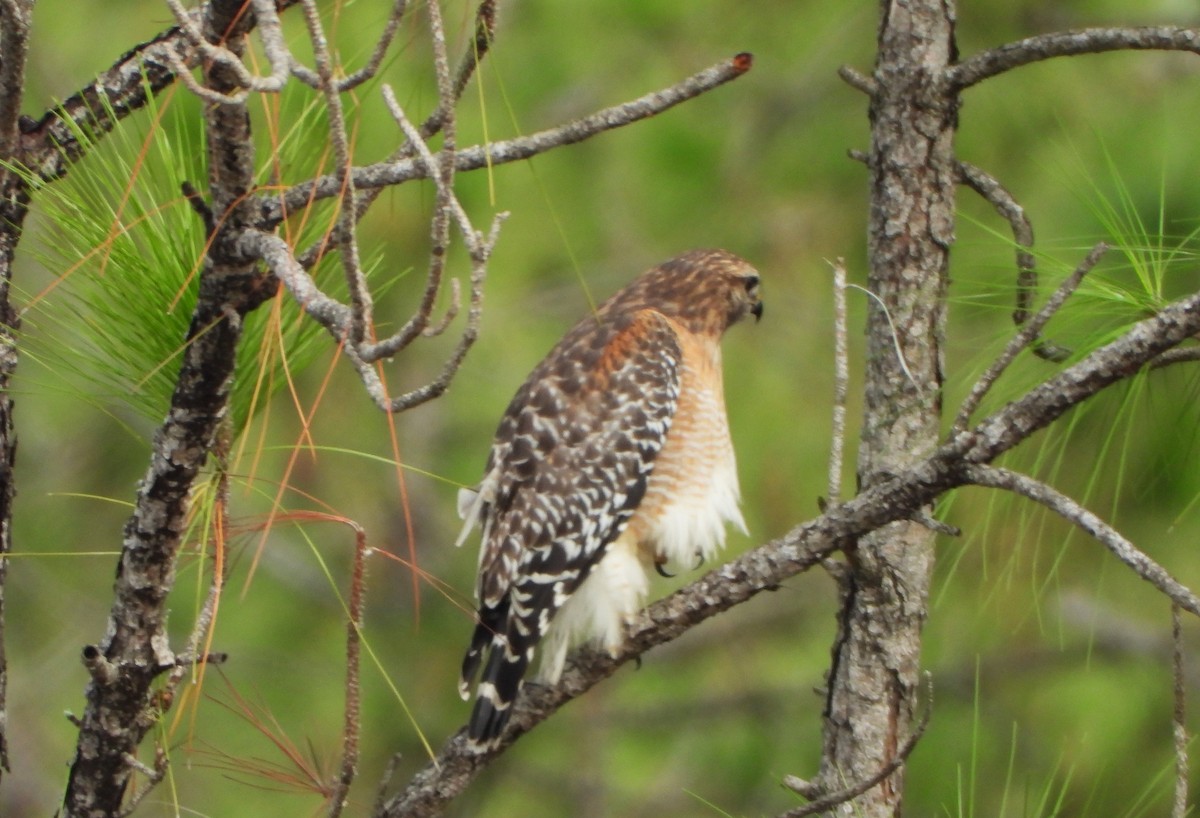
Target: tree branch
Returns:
[827, 802]
[1026, 336]
[1102, 532]
[382, 174]
[992, 62]
[135, 649]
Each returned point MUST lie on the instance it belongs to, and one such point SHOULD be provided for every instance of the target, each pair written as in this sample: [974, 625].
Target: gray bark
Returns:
[874, 675]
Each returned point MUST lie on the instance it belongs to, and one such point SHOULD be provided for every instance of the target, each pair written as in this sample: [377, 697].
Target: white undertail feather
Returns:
[600, 609]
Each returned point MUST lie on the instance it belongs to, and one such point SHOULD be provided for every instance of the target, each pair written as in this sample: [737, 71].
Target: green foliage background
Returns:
[1049, 661]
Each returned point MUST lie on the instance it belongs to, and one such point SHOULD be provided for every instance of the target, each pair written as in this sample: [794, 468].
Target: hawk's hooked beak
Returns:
[757, 311]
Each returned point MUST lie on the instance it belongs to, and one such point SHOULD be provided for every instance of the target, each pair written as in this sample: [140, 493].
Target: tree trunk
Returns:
[874, 676]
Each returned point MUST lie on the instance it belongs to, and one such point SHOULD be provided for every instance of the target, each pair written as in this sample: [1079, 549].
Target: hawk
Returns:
[613, 456]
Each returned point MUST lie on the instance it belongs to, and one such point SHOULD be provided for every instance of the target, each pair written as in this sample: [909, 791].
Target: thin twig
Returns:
[441, 170]
[1027, 334]
[271, 35]
[1179, 355]
[1179, 809]
[481, 251]
[389, 772]
[827, 802]
[1007, 206]
[371, 68]
[1102, 532]
[841, 380]
[154, 775]
[361, 302]
[995, 61]
[481, 43]
[858, 80]
[430, 127]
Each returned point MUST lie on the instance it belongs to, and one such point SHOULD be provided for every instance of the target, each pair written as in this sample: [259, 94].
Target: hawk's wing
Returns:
[567, 469]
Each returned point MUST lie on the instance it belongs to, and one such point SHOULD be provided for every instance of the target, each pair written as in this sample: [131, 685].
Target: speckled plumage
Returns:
[612, 456]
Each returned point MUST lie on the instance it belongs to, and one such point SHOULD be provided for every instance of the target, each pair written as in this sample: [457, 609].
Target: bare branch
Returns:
[274, 251]
[14, 48]
[996, 61]
[154, 775]
[1179, 355]
[988, 187]
[498, 153]
[371, 68]
[481, 43]
[485, 30]
[1007, 206]
[361, 303]
[1026, 336]
[50, 144]
[481, 250]
[1106, 535]
[441, 170]
[827, 802]
[858, 80]
[271, 33]
[14, 202]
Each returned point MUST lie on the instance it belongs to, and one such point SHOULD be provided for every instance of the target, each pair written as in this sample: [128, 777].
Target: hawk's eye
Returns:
[751, 283]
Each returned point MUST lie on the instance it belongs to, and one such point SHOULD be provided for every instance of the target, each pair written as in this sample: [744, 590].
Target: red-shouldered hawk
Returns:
[613, 456]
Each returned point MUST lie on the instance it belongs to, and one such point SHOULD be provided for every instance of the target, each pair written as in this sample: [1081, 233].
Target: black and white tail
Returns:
[508, 653]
